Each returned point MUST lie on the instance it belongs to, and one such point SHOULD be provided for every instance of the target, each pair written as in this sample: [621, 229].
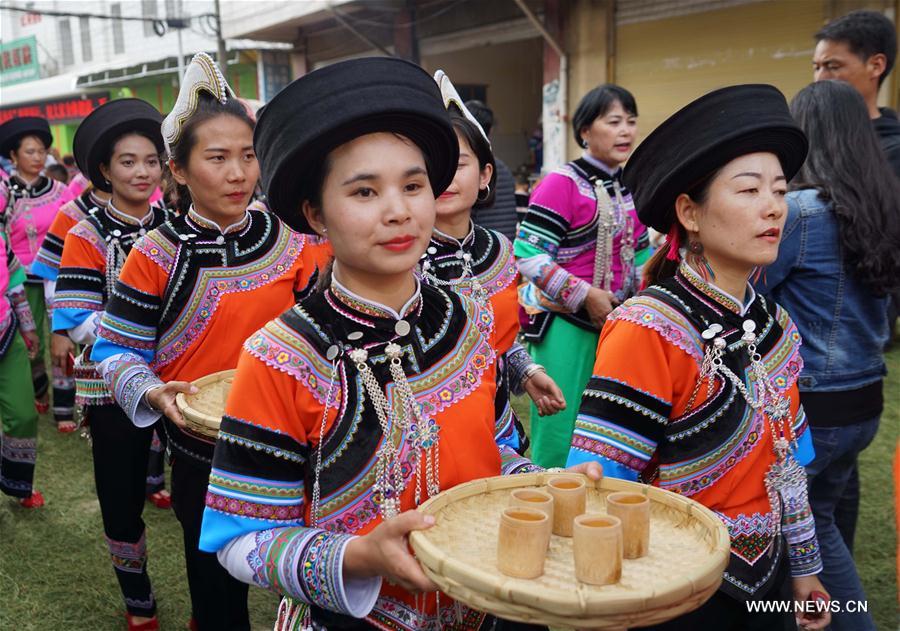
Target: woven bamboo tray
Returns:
[689, 550]
[203, 411]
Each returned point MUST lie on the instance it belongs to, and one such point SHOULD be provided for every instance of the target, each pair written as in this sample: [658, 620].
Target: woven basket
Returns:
[203, 411]
[689, 550]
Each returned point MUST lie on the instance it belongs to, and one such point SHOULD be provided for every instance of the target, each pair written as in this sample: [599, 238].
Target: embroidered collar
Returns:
[37, 188]
[466, 242]
[202, 223]
[124, 218]
[717, 294]
[611, 172]
[373, 309]
[95, 201]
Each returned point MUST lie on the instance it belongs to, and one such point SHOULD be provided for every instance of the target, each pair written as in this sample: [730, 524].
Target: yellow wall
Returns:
[668, 63]
[586, 45]
[513, 73]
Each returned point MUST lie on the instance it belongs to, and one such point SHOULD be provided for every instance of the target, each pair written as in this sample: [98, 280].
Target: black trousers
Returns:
[121, 451]
[218, 600]
[724, 613]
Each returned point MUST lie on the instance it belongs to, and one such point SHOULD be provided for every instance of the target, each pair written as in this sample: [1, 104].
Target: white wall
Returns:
[138, 47]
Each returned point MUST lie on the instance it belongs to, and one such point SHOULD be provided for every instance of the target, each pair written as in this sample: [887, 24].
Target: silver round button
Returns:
[220, 240]
[117, 233]
[708, 334]
[355, 335]
[749, 326]
[432, 250]
[402, 327]
[332, 352]
[715, 327]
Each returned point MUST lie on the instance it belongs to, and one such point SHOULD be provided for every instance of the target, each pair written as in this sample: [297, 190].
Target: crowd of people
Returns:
[710, 319]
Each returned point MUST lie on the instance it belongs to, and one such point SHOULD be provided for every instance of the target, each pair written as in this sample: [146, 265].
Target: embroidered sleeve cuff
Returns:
[129, 378]
[806, 560]
[574, 293]
[512, 463]
[303, 563]
[799, 530]
[23, 311]
[518, 360]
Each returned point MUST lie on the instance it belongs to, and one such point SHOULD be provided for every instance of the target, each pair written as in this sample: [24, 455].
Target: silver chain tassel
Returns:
[606, 229]
[785, 478]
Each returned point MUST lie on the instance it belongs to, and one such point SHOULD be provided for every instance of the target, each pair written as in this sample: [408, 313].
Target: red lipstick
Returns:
[399, 244]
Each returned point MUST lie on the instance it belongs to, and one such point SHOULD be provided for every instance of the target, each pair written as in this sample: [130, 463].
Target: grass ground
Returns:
[55, 572]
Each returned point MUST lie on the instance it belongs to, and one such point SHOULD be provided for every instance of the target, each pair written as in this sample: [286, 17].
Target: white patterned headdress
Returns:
[452, 97]
[202, 75]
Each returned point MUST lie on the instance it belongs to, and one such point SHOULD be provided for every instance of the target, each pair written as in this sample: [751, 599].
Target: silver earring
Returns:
[487, 191]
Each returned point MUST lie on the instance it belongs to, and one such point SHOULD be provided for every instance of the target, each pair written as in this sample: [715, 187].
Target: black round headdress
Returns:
[333, 105]
[104, 126]
[14, 129]
[705, 135]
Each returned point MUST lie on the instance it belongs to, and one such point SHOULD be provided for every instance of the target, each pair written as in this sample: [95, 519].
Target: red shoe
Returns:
[42, 408]
[35, 501]
[149, 625]
[66, 427]
[161, 499]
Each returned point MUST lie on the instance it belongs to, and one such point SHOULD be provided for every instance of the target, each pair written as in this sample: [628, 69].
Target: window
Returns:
[148, 9]
[84, 24]
[65, 42]
[118, 36]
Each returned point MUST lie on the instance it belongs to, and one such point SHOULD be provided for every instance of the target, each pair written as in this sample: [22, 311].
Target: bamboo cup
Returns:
[523, 541]
[597, 546]
[225, 389]
[533, 498]
[633, 509]
[569, 501]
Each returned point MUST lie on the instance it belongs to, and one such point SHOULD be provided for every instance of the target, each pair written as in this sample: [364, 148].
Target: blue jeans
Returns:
[837, 449]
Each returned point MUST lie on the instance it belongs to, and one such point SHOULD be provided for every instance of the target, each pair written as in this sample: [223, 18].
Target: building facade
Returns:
[532, 60]
[104, 50]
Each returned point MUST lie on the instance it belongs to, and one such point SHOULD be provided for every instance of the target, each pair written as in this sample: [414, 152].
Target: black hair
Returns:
[482, 148]
[69, 160]
[866, 33]
[57, 172]
[313, 192]
[208, 107]
[847, 166]
[482, 113]
[659, 267]
[597, 103]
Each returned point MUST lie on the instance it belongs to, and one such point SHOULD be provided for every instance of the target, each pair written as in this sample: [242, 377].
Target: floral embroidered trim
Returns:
[303, 563]
[128, 557]
[22, 450]
[254, 510]
[212, 284]
[158, 249]
[129, 377]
